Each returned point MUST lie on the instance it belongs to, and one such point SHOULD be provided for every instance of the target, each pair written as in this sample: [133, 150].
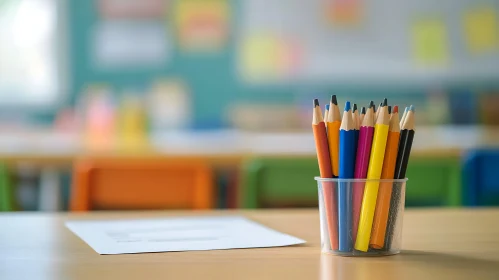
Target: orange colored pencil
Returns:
[320, 137]
[333, 127]
[385, 189]
[321, 145]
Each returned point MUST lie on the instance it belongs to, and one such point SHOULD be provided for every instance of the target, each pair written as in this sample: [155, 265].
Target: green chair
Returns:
[6, 195]
[434, 182]
[279, 182]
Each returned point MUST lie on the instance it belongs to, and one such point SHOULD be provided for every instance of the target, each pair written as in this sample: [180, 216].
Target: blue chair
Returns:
[480, 178]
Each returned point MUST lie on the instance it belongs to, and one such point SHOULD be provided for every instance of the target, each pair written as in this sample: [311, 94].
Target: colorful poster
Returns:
[202, 25]
[480, 28]
[259, 55]
[344, 12]
[430, 41]
[132, 8]
[268, 57]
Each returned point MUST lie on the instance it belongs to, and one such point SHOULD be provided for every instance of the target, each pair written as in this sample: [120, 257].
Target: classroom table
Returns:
[220, 147]
[438, 244]
[224, 150]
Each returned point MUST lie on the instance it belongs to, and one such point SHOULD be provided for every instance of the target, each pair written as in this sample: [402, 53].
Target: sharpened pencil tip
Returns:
[327, 107]
[406, 109]
[389, 109]
[316, 102]
[347, 106]
[385, 102]
[371, 105]
[333, 99]
[395, 109]
[363, 111]
[354, 107]
[412, 108]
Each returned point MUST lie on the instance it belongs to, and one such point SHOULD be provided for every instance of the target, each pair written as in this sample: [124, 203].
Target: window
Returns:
[30, 52]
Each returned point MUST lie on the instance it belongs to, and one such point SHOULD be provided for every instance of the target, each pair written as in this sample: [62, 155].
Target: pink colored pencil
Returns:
[361, 164]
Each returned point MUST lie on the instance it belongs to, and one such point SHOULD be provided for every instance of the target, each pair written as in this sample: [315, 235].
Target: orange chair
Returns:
[153, 184]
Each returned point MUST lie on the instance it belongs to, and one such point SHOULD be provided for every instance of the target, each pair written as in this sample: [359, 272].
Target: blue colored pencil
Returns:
[346, 171]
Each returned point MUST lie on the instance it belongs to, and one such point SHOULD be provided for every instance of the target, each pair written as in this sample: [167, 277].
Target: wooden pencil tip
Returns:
[412, 108]
[389, 109]
[327, 107]
[395, 109]
[347, 106]
[385, 102]
[371, 104]
[363, 111]
[316, 102]
[354, 107]
[333, 99]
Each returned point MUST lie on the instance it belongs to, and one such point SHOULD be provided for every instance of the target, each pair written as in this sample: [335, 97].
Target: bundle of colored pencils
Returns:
[373, 145]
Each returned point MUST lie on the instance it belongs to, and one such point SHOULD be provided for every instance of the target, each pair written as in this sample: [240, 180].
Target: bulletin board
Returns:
[343, 56]
[375, 40]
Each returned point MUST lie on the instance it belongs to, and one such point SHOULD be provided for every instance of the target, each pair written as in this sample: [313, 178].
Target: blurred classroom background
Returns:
[195, 104]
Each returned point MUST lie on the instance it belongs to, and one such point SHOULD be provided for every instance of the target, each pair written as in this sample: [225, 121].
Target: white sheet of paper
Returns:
[177, 234]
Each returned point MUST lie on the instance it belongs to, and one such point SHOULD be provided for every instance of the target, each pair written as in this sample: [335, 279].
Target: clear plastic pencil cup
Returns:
[361, 217]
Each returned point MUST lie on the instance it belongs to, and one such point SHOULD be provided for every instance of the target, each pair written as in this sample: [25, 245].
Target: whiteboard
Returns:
[379, 49]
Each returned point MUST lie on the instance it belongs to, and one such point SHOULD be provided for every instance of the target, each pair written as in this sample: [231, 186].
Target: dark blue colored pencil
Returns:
[346, 171]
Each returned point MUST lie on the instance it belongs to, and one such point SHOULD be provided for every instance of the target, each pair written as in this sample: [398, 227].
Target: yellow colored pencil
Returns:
[377, 112]
[374, 173]
[333, 124]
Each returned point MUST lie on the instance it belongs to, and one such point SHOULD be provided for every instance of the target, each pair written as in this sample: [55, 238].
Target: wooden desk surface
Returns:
[438, 244]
